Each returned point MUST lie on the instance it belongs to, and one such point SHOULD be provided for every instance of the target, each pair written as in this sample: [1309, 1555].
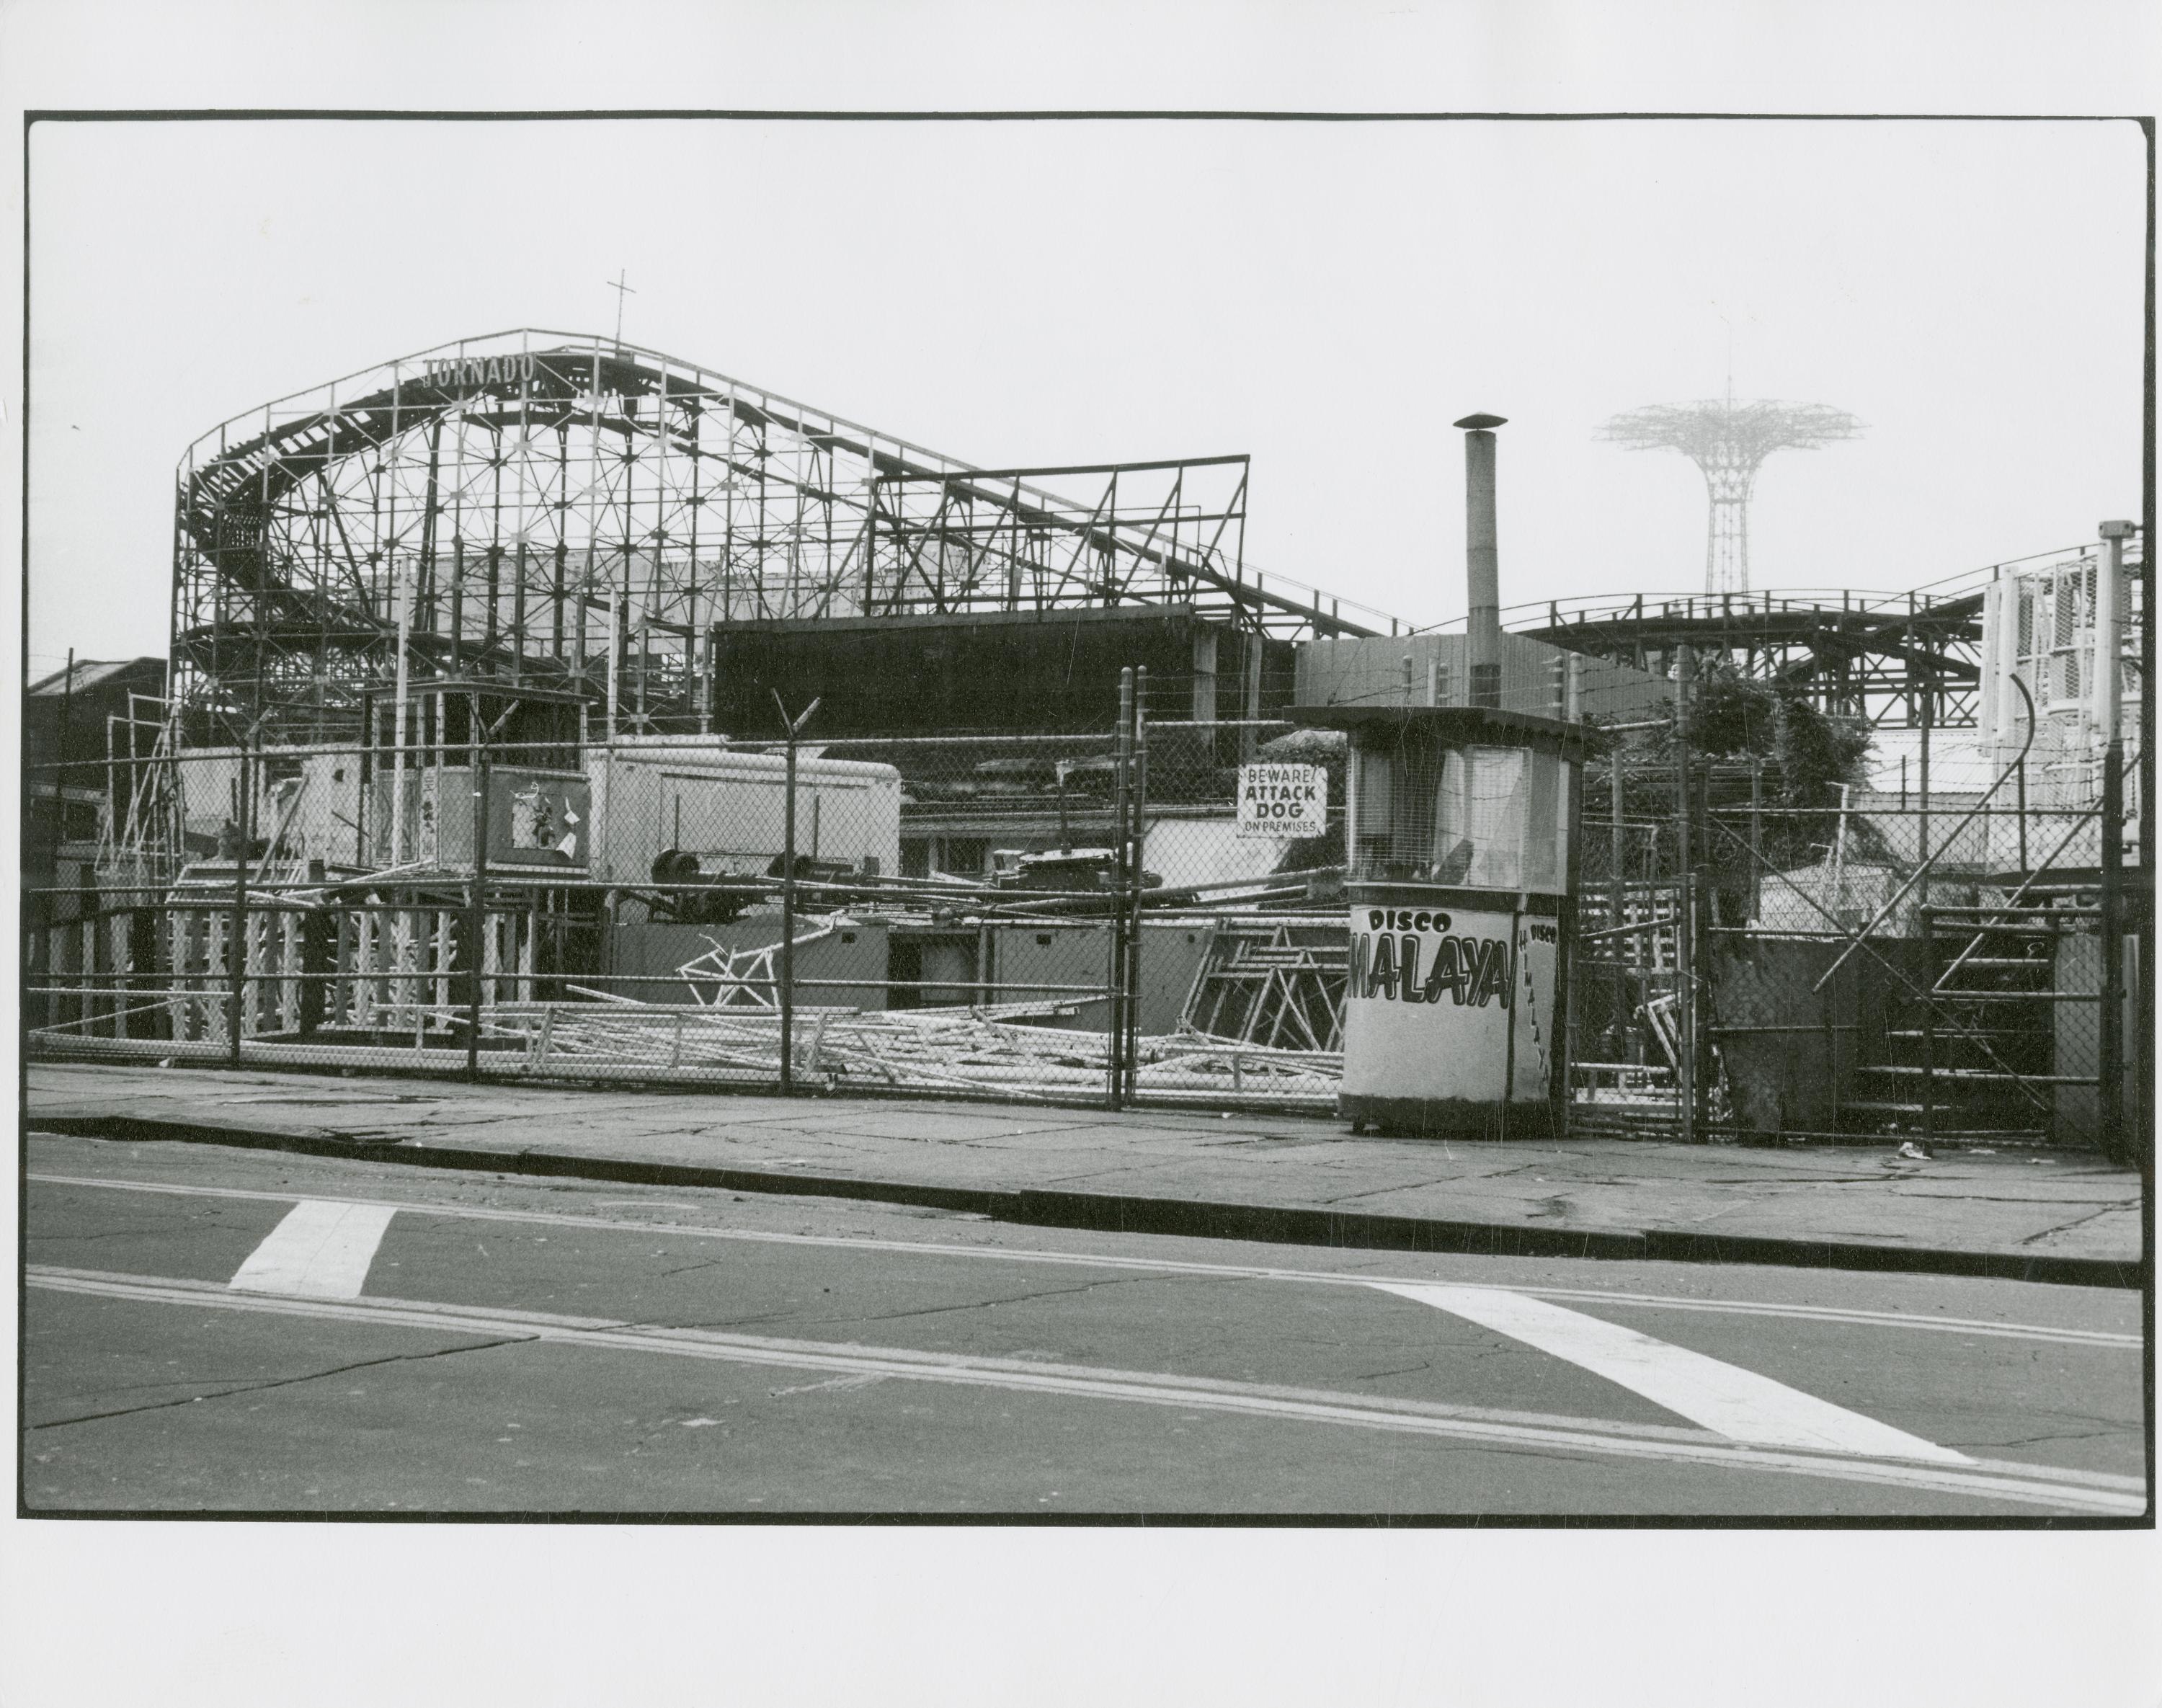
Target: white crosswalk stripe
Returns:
[1737, 1404]
[321, 1249]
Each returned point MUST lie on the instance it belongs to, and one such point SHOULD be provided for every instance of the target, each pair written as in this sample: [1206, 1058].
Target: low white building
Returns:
[2039, 627]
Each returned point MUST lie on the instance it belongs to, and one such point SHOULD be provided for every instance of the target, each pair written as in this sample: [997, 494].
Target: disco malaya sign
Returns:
[1283, 800]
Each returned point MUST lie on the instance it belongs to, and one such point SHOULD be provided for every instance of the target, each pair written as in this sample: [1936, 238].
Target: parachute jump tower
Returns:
[1729, 441]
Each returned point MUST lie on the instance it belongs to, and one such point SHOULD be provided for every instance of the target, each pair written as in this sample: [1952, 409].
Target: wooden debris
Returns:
[1001, 1047]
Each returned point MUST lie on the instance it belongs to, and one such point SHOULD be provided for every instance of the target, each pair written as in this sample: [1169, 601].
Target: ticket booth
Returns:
[1461, 878]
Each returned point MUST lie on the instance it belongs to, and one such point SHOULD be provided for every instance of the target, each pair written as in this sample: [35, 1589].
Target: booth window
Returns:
[1483, 818]
[1498, 819]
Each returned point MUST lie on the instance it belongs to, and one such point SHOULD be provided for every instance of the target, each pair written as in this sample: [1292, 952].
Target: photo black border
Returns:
[2146, 981]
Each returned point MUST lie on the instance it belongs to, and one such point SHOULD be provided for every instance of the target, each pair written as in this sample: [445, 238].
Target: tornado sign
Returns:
[1283, 801]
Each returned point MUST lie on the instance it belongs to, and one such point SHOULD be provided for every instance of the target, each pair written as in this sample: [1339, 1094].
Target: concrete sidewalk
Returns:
[2031, 1214]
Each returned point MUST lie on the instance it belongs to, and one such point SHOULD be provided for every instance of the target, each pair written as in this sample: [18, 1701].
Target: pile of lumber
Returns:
[1198, 1066]
[962, 1049]
[987, 1047]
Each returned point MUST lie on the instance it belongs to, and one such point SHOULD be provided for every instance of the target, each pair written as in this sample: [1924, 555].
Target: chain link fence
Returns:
[1874, 964]
[1881, 971]
[1076, 918]
[1072, 917]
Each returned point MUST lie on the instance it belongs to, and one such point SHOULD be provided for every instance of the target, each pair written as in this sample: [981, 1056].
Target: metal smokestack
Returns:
[1482, 565]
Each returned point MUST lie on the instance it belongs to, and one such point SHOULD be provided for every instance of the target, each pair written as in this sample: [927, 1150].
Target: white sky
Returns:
[1326, 297]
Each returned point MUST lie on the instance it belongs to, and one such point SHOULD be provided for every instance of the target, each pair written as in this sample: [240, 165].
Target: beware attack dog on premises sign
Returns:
[1283, 800]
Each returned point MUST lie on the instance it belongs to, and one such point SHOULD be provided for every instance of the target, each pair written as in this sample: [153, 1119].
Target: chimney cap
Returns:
[1478, 421]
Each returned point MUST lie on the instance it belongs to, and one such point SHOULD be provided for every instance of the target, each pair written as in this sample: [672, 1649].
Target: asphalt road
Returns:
[241, 1331]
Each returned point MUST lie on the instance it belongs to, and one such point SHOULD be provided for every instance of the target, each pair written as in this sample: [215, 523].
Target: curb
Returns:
[1123, 1213]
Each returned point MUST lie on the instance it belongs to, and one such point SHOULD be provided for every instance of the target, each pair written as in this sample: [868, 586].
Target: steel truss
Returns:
[990, 540]
[561, 510]
[1871, 656]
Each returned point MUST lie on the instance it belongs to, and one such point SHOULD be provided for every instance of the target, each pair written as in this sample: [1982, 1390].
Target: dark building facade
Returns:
[1027, 672]
[73, 721]
[68, 720]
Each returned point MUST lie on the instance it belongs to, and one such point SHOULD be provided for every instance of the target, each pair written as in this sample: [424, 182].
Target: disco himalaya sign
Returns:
[1401, 954]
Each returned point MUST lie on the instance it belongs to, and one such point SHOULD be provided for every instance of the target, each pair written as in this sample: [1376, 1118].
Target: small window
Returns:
[1481, 815]
[1043, 939]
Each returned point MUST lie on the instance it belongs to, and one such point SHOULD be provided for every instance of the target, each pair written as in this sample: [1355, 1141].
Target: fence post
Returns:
[477, 911]
[2021, 815]
[1685, 1016]
[787, 991]
[2109, 1107]
[1828, 1012]
[236, 945]
[1922, 851]
[2109, 705]
[1256, 652]
[1617, 904]
[1755, 839]
[1114, 1025]
[1129, 1041]
[786, 994]
[1930, 975]
[1922, 794]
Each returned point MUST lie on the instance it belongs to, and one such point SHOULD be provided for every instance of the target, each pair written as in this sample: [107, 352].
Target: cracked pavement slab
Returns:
[253, 1387]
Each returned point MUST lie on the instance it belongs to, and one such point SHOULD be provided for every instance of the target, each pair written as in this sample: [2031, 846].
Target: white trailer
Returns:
[697, 795]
